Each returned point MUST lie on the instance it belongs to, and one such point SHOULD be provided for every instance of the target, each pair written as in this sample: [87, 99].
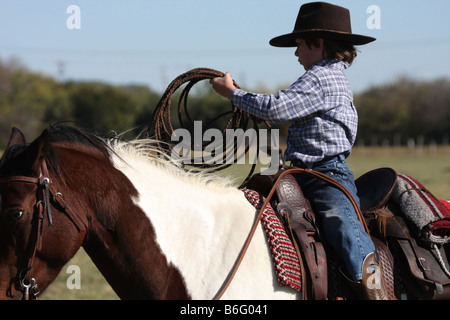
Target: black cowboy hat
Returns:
[321, 20]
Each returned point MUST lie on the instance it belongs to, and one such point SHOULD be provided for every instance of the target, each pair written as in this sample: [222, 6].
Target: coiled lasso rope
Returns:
[161, 127]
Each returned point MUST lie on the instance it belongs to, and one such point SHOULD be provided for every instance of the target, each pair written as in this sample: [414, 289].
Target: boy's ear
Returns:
[321, 43]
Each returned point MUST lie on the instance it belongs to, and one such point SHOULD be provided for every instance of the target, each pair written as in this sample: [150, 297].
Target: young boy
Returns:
[323, 129]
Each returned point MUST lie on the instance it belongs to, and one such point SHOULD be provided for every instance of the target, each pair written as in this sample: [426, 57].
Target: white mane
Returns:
[146, 153]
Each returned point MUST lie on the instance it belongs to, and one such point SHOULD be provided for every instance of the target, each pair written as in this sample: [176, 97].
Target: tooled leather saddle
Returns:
[295, 211]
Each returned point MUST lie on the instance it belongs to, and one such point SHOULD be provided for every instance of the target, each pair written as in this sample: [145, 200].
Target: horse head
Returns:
[27, 226]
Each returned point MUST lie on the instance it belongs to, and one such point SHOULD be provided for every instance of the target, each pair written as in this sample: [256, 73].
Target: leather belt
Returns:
[300, 164]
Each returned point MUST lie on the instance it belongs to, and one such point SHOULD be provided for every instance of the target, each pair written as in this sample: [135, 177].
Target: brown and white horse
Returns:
[153, 230]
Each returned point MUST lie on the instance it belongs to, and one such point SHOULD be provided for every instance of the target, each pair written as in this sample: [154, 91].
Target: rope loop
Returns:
[161, 126]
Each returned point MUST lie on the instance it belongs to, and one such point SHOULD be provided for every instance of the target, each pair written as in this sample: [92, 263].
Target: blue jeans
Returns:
[341, 226]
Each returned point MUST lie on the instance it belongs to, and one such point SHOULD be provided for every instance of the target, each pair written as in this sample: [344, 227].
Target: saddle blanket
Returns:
[286, 264]
[429, 217]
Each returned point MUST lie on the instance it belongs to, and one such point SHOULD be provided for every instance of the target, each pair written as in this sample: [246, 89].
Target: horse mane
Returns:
[142, 151]
[148, 153]
[118, 150]
[10, 153]
[60, 133]
[64, 133]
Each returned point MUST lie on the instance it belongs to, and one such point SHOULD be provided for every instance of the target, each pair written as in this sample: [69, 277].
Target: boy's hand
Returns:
[223, 85]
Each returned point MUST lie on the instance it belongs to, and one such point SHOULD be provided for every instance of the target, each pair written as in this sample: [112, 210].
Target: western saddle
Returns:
[378, 216]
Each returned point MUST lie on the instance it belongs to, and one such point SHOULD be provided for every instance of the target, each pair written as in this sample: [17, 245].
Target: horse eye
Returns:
[15, 214]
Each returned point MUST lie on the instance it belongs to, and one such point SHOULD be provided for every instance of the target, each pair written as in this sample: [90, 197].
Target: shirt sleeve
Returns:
[301, 99]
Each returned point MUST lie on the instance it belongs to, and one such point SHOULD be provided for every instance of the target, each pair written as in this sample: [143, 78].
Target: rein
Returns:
[316, 174]
[46, 194]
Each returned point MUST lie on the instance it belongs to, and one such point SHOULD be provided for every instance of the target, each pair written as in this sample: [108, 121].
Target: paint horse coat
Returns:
[154, 231]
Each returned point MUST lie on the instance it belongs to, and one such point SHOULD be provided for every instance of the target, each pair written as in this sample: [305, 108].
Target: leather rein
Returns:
[290, 170]
[46, 196]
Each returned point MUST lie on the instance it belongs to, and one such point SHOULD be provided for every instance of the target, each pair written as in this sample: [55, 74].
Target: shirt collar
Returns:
[333, 63]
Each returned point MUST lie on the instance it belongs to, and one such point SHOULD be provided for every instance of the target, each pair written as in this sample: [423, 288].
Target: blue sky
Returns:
[150, 42]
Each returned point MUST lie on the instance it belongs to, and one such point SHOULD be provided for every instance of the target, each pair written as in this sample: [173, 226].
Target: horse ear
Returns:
[16, 137]
[34, 154]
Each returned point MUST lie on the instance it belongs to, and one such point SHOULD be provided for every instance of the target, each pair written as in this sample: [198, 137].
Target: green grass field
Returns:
[432, 168]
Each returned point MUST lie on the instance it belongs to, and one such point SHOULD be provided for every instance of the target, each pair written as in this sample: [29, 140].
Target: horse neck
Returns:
[120, 240]
[129, 258]
[199, 228]
[159, 234]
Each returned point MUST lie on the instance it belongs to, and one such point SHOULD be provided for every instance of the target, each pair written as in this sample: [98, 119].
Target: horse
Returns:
[153, 230]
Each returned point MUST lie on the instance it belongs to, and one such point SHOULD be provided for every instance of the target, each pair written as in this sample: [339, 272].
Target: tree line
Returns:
[31, 101]
[403, 110]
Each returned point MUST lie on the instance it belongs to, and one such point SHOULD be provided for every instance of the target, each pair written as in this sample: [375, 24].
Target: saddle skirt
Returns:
[285, 258]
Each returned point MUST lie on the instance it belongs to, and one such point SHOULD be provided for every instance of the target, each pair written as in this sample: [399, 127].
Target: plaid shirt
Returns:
[319, 106]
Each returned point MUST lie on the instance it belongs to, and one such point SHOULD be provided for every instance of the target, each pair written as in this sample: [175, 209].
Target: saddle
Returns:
[299, 219]
[422, 269]
[323, 277]
[418, 269]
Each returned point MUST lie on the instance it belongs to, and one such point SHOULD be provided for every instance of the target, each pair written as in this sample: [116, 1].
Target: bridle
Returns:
[46, 197]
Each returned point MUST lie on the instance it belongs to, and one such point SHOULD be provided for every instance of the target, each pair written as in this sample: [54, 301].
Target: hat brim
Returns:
[288, 40]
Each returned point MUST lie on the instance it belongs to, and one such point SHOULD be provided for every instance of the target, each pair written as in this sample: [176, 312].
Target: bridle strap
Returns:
[57, 197]
[42, 207]
[27, 282]
[50, 193]
[21, 179]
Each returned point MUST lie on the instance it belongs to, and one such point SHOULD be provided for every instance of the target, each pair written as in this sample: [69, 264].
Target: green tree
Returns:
[102, 107]
[430, 109]
[25, 98]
